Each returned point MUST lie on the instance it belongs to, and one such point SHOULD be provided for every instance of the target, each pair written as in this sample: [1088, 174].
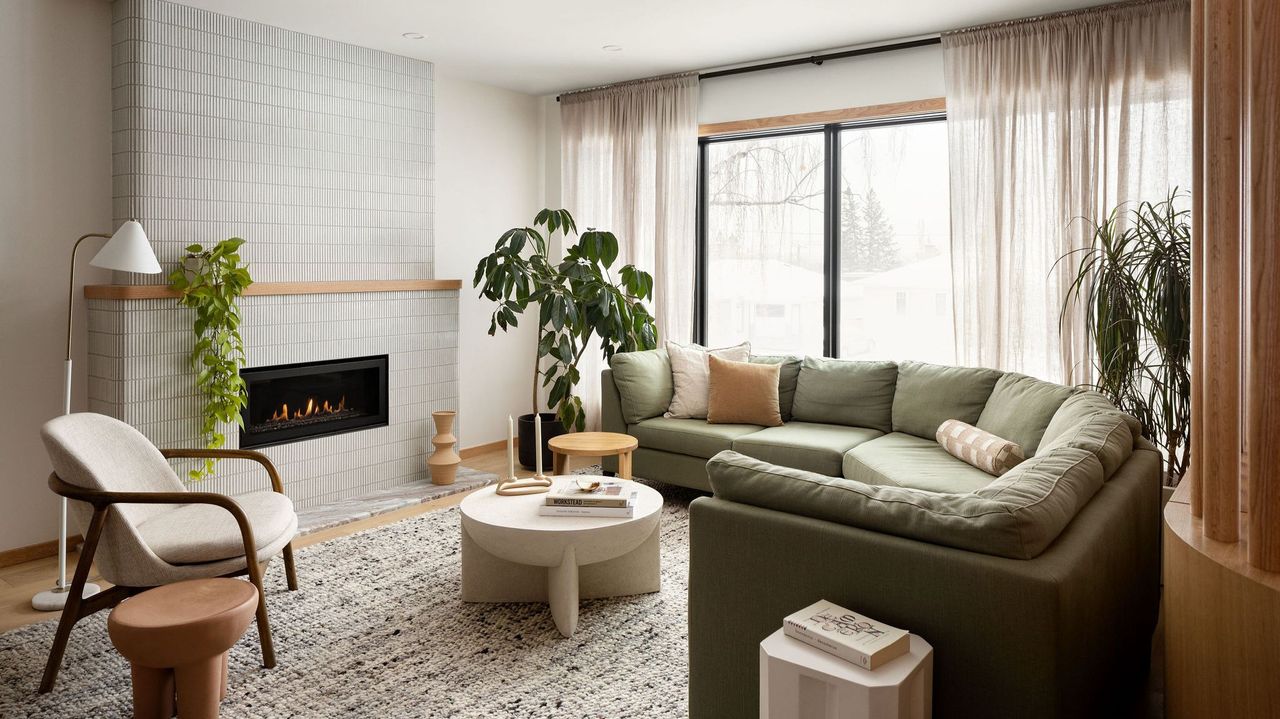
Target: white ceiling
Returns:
[545, 46]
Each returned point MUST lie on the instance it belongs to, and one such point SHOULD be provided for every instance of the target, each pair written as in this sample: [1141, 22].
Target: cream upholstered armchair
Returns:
[144, 528]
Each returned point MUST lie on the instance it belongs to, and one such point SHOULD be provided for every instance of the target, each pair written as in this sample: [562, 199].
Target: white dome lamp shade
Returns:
[128, 250]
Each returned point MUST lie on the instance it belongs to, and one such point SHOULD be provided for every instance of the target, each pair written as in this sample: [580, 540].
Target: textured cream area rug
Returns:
[377, 630]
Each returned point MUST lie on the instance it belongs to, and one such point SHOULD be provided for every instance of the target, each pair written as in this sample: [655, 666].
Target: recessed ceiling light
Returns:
[413, 36]
[612, 48]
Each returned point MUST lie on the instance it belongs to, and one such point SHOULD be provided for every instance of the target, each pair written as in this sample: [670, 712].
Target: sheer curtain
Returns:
[1049, 121]
[629, 156]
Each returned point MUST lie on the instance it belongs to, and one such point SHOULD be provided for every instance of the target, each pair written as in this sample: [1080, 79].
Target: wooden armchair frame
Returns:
[79, 607]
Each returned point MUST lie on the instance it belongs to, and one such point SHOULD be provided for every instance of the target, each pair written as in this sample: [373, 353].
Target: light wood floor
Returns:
[20, 582]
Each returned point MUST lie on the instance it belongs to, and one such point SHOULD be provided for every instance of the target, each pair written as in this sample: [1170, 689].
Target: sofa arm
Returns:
[610, 414]
[1047, 637]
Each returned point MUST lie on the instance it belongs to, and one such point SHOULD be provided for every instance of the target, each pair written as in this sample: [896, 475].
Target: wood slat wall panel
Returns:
[1223, 103]
[1263, 358]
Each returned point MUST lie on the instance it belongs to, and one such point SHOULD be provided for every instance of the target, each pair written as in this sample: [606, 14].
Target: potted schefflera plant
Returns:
[577, 298]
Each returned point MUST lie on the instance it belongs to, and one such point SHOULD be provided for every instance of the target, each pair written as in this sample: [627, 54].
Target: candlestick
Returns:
[509, 485]
[537, 444]
[511, 448]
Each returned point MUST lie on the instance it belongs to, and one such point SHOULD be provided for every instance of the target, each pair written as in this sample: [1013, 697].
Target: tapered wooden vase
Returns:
[444, 462]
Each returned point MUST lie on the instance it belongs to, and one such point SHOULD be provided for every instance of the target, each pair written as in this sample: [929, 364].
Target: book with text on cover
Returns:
[848, 635]
[609, 493]
[549, 510]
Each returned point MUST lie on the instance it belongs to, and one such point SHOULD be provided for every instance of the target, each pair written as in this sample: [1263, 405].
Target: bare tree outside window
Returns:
[765, 243]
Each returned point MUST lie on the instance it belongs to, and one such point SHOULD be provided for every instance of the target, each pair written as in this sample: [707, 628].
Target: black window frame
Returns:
[830, 220]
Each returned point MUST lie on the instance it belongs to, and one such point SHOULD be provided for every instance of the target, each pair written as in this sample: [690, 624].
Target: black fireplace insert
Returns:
[288, 403]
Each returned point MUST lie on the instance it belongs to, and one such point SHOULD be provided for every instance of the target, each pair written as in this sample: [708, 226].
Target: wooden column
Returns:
[1196, 443]
[1219, 466]
[1263, 358]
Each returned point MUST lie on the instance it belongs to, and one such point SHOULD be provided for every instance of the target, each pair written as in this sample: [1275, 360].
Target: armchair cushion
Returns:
[199, 533]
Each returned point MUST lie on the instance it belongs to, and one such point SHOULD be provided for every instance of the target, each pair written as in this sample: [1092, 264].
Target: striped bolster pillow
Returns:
[980, 448]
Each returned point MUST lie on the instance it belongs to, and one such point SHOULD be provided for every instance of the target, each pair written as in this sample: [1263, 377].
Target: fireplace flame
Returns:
[315, 408]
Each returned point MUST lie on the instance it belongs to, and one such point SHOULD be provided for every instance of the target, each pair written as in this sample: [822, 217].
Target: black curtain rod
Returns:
[817, 59]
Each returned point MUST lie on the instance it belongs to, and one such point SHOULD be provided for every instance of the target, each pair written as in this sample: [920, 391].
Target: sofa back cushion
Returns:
[1020, 408]
[644, 383]
[788, 374]
[1017, 516]
[930, 394]
[1104, 433]
[1079, 407]
[855, 394]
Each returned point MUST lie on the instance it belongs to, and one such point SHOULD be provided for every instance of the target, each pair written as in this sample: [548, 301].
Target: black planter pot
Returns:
[551, 427]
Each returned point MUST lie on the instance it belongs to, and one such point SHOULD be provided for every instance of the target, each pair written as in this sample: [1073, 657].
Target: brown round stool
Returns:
[176, 637]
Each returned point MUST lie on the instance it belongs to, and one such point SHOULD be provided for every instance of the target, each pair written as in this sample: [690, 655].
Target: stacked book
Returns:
[589, 497]
[848, 635]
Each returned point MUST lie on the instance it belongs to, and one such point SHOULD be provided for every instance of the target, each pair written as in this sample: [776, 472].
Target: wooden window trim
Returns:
[826, 117]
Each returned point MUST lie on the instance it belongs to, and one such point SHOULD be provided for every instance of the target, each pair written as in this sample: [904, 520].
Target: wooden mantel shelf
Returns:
[160, 292]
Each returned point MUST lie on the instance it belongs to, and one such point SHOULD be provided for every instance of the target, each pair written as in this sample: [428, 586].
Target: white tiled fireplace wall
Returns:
[319, 154]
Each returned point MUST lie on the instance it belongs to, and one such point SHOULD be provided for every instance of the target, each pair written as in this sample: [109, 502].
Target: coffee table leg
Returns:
[558, 462]
[624, 465]
[562, 593]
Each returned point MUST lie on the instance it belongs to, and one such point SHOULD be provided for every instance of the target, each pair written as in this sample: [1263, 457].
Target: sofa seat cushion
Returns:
[1020, 408]
[1017, 516]
[928, 395]
[199, 533]
[904, 460]
[694, 437]
[804, 445]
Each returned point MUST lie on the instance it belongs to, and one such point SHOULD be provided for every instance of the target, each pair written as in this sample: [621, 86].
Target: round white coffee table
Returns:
[510, 553]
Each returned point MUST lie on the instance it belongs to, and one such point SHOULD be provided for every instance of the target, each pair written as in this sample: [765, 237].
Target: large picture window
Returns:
[828, 240]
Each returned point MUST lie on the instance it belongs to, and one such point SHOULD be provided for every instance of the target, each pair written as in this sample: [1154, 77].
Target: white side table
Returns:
[510, 553]
[798, 681]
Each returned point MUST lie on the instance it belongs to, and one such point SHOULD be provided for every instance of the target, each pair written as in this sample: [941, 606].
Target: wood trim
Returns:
[160, 292]
[469, 452]
[826, 117]
[32, 552]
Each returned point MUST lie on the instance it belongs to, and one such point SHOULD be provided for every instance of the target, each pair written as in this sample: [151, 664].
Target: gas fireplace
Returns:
[292, 402]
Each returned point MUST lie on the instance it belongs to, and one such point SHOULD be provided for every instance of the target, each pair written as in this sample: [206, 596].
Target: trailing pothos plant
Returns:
[577, 298]
[210, 282]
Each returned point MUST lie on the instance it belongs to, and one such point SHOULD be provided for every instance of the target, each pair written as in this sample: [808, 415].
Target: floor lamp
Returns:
[127, 251]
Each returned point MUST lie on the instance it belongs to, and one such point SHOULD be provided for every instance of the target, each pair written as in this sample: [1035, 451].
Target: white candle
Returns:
[511, 447]
[537, 443]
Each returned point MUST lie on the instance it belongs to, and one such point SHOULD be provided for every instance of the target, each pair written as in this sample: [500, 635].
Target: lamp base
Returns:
[55, 599]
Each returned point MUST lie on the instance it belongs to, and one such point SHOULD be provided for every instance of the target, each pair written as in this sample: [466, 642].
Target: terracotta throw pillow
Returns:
[689, 376]
[980, 448]
[743, 393]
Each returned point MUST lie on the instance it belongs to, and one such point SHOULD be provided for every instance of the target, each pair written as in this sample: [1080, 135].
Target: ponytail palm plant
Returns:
[1134, 285]
[577, 298]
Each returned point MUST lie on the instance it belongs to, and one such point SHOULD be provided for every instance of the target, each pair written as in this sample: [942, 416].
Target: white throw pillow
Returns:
[691, 376]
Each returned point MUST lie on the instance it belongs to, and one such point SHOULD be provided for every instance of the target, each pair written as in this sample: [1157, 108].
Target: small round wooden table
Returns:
[593, 444]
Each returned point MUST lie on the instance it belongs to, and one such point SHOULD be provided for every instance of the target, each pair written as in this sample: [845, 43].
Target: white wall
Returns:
[489, 162]
[896, 76]
[55, 185]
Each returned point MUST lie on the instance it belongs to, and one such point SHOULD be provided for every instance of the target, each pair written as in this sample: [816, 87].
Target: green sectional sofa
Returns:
[1038, 589]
